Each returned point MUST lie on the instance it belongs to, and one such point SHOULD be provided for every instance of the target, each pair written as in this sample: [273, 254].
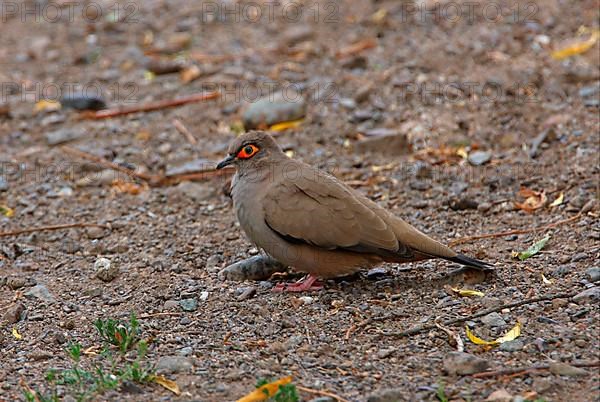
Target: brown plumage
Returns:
[308, 219]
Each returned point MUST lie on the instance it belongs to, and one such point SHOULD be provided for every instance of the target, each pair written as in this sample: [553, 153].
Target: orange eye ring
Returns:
[247, 151]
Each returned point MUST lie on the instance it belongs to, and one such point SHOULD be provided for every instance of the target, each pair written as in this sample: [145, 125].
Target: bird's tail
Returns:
[470, 262]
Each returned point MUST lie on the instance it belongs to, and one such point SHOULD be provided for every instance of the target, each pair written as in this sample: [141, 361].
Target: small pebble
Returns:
[593, 273]
[105, 270]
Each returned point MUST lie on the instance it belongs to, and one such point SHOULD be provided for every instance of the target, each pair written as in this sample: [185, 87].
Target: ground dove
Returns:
[309, 220]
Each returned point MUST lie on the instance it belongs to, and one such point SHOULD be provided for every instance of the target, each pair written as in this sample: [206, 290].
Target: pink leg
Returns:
[306, 284]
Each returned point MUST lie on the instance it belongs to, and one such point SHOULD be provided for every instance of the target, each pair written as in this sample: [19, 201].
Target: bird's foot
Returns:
[310, 283]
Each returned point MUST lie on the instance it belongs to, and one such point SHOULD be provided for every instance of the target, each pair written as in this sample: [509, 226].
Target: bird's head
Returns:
[252, 150]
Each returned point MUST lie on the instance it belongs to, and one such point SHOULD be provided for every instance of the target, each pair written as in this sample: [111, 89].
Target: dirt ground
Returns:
[483, 79]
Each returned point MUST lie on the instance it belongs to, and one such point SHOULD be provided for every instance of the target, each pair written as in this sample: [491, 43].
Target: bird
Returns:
[311, 221]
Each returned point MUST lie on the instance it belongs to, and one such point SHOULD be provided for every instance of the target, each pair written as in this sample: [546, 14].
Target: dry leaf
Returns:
[46, 106]
[266, 391]
[16, 334]
[454, 339]
[578, 47]
[142, 135]
[168, 384]
[468, 292]
[533, 200]
[509, 336]
[285, 125]
[546, 280]
[559, 200]
[6, 211]
[128, 187]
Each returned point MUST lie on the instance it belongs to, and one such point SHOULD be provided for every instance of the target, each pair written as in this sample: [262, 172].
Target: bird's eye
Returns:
[247, 152]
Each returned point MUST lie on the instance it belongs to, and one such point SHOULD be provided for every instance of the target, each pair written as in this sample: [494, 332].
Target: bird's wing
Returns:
[317, 209]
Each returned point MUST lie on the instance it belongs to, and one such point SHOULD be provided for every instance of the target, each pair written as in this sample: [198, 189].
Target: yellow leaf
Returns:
[289, 153]
[149, 76]
[266, 391]
[462, 152]
[46, 105]
[509, 336]
[468, 292]
[168, 384]
[577, 48]
[189, 74]
[558, 201]
[16, 334]
[6, 211]
[285, 125]
[546, 280]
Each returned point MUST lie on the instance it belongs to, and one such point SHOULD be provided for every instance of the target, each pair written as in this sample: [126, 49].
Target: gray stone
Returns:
[186, 351]
[461, 363]
[40, 292]
[588, 295]
[245, 293]
[83, 101]
[282, 106]
[348, 103]
[173, 364]
[95, 232]
[478, 158]
[258, 267]
[195, 191]
[593, 273]
[567, 370]
[13, 314]
[3, 184]
[63, 135]
[579, 257]
[171, 305]
[105, 270]
[512, 346]
[389, 395]
[390, 144]
[493, 320]
[190, 304]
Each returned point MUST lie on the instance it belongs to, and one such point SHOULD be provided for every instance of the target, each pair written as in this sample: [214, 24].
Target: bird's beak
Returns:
[226, 162]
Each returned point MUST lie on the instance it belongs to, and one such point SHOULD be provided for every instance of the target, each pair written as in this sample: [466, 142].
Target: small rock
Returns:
[173, 364]
[258, 267]
[458, 187]
[567, 370]
[389, 395]
[95, 232]
[355, 62]
[203, 295]
[3, 184]
[461, 363]
[392, 144]
[297, 33]
[593, 273]
[40, 292]
[195, 191]
[246, 293]
[83, 101]
[105, 270]
[500, 395]
[13, 314]
[588, 295]
[512, 346]
[283, 106]
[17, 282]
[579, 257]
[493, 320]
[188, 350]
[361, 115]
[464, 203]
[478, 158]
[190, 304]
[484, 206]
[384, 353]
[189, 167]
[171, 305]
[376, 273]
[562, 270]
[63, 135]
[163, 66]
[348, 103]
[38, 355]
[306, 299]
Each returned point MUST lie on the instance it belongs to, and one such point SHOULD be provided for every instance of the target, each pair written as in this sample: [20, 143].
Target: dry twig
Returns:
[322, 393]
[518, 371]
[51, 227]
[152, 106]
[453, 321]
[184, 131]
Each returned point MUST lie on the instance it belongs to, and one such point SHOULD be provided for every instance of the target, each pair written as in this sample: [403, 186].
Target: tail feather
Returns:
[470, 262]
